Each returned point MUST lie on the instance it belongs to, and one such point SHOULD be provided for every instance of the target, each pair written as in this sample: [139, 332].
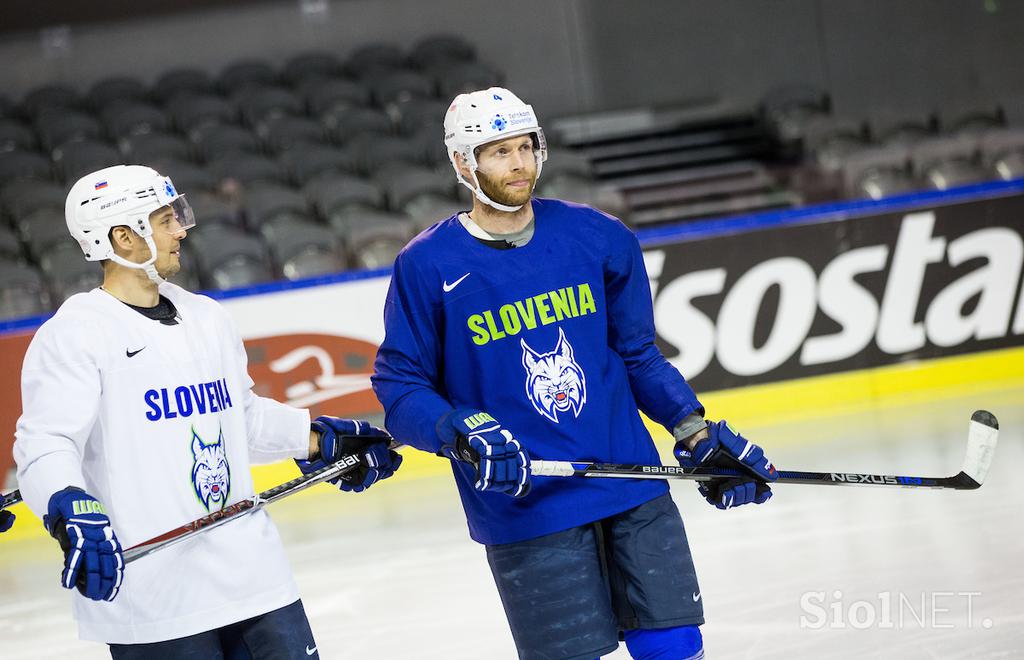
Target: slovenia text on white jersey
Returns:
[160, 424]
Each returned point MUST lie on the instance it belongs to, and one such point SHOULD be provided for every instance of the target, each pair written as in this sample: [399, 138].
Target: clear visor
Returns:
[174, 218]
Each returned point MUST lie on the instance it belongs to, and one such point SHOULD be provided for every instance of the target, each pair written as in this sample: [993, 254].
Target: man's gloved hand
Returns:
[6, 521]
[340, 437]
[724, 447]
[501, 464]
[92, 553]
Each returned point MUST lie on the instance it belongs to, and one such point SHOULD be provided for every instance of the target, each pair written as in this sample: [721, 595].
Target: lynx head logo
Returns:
[211, 475]
[554, 381]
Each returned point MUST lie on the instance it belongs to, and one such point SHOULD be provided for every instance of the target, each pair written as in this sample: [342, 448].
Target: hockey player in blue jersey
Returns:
[524, 329]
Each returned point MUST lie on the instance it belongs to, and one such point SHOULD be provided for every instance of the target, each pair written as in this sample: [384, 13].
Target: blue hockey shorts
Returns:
[282, 634]
[570, 594]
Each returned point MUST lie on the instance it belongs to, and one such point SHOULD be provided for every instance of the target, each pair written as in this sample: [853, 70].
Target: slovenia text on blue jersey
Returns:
[554, 339]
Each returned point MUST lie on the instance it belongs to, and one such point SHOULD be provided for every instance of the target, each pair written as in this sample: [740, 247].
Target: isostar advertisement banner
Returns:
[803, 300]
[765, 305]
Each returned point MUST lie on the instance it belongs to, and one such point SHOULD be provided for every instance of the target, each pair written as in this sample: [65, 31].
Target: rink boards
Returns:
[773, 317]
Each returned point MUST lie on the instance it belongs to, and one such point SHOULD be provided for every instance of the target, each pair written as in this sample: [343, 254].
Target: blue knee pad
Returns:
[679, 643]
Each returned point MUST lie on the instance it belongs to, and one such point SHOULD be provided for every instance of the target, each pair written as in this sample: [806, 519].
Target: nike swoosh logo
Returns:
[448, 287]
[133, 353]
[310, 651]
[696, 596]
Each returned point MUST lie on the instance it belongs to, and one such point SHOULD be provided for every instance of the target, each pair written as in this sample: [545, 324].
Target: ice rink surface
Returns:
[818, 572]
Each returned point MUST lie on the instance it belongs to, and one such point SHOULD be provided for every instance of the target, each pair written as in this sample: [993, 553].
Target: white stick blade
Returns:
[981, 445]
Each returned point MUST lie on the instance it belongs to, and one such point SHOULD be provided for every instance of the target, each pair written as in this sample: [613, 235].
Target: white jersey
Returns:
[159, 423]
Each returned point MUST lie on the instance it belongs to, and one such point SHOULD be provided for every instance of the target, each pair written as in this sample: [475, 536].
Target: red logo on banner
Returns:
[328, 374]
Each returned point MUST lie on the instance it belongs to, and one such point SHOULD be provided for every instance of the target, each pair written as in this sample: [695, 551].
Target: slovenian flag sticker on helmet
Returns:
[101, 185]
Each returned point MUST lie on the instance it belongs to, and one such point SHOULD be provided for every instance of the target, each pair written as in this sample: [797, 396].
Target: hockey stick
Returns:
[981, 445]
[239, 509]
[10, 499]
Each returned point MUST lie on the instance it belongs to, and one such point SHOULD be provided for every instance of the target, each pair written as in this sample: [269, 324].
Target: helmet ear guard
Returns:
[486, 116]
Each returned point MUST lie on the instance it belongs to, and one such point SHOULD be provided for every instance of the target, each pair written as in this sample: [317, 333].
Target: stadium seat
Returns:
[302, 248]
[229, 257]
[192, 112]
[20, 197]
[247, 169]
[375, 241]
[56, 127]
[403, 184]
[181, 81]
[155, 146]
[270, 203]
[76, 159]
[210, 209]
[16, 135]
[419, 113]
[1002, 152]
[374, 151]
[332, 95]
[877, 172]
[787, 108]
[49, 96]
[22, 292]
[971, 121]
[214, 141]
[566, 161]
[400, 85]
[247, 73]
[133, 118]
[188, 275]
[113, 90]
[187, 176]
[902, 131]
[441, 48]
[310, 65]
[349, 122]
[454, 78]
[428, 210]
[43, 229]
[68, 272]
[430, 144]
[24, 165]
[375, 57]
[283, 133]
[311, 161]
[10, 247]
[330, 194]
[260, 103]
[827, 140]
[948, 161]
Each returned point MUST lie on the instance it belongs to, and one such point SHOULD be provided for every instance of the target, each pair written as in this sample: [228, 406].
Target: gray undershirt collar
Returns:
[518, 239]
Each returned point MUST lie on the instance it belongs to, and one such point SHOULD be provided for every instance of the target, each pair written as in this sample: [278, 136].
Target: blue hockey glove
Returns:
[501, 464]
[92, 553]
[6, 521]
[340, 437]
[725, 447]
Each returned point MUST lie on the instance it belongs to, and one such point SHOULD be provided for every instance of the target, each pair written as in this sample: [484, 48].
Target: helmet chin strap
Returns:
[482, 196]
[147, 266]
[478, 191]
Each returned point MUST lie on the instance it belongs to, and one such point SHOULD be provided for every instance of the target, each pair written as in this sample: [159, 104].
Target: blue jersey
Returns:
[555, 339]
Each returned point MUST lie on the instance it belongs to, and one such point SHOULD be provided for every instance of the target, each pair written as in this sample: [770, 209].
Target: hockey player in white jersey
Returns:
[138, 416]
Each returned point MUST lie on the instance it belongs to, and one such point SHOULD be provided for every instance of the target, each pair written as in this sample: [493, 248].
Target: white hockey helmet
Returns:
[484, 116]
[122, 195]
